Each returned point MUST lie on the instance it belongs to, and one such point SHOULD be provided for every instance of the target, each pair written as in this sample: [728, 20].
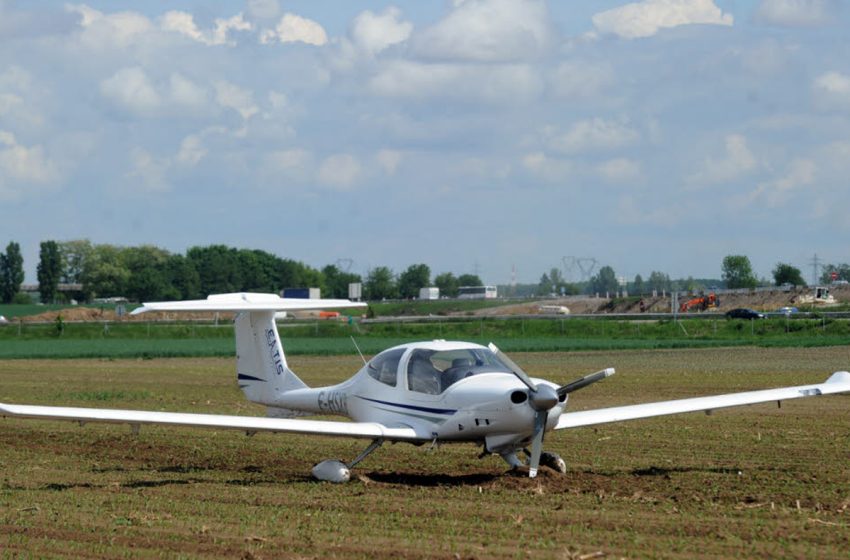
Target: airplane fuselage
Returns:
[486, 406]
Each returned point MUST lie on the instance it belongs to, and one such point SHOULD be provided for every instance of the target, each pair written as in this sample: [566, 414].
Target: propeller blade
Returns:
[537, 442]
[585, 381]
[514, 368]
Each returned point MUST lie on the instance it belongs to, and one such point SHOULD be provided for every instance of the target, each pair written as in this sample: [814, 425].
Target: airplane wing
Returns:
[135, 418]
[839, 382]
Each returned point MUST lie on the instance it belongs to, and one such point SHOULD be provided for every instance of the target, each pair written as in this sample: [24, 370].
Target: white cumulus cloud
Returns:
[340, 171]
[148, 172]
[832, 90]
[21, 165]
[801, 173]
[184, 24]
[293, 28]
[645, 19]
[595, 135]
[191, 152]
[131, 89]
[106, 31]
[581, 79]
[234, 97]
[796, 13]
[619, 170]
[736, 161]
[375, 32]
[496, 83]
[388, 160]
[548, 168]
[488, 31]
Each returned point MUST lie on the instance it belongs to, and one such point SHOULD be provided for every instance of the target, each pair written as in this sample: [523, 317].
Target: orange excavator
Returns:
[700, 303]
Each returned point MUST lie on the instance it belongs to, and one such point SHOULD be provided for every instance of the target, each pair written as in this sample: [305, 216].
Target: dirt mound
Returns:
[94, 314]
[72, 314]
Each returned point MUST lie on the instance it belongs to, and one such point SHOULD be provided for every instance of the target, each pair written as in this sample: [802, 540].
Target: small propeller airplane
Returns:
[419, 393]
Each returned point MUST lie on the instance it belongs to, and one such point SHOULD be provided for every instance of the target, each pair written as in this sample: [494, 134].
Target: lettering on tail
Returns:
[274, 351]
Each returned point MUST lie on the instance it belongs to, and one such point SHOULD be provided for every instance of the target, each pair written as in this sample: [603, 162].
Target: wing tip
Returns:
[839, 377]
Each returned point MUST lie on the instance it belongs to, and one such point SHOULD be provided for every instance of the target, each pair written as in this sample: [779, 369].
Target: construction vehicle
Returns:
[820, 296]
[700, 303]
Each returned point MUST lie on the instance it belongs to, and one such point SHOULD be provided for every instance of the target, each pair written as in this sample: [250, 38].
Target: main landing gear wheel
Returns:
[553, 461]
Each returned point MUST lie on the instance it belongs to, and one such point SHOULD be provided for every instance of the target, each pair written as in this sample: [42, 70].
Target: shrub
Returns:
[22, 298]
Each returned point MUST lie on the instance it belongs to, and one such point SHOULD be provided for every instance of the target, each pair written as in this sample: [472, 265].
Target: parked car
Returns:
[744, 313]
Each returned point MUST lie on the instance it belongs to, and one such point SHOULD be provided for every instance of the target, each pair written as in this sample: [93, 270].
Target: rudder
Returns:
[261, 368]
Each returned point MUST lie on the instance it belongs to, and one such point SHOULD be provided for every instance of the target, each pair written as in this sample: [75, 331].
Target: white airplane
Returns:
[420, 393]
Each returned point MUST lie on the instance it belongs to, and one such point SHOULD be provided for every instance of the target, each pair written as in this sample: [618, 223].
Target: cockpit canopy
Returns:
[432, 371]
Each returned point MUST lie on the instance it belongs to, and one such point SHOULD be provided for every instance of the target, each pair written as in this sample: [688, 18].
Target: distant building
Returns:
[477, 292]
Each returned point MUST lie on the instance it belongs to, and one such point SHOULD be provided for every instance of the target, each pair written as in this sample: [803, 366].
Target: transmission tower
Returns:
[584, 265]
[816, 264]
[344, 264]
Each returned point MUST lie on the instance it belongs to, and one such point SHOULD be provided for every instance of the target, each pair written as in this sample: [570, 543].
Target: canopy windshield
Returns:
[433, 371]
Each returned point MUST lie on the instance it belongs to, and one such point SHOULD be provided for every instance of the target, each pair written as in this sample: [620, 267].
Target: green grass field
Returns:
[754, 482]
[152, 340]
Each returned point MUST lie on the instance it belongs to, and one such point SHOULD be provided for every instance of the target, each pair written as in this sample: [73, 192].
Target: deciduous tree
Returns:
[738, 272]
[786, 274]
[11, 272]
[469, 280]
[380, 284]
[604, 281]
[49, 271]
[411, 280]
[337, 281]
[448, 284]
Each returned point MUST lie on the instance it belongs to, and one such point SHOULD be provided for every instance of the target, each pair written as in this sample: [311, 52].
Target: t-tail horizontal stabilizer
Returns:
[261, 368]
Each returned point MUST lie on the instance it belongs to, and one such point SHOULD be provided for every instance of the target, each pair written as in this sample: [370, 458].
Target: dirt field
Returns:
[762, 301]
[757, 482]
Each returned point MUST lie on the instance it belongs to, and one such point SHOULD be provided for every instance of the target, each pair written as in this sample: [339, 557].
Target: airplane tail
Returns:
[261, 368]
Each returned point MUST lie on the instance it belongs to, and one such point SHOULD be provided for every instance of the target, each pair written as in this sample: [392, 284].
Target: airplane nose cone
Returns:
[543, 399]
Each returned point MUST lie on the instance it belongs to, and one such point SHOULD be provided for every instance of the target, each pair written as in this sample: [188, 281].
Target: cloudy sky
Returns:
[473, 135]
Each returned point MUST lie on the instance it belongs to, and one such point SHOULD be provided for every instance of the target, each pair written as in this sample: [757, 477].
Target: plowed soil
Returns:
[754, 482]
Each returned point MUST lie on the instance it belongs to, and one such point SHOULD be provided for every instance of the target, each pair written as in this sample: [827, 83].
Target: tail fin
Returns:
[261, 366]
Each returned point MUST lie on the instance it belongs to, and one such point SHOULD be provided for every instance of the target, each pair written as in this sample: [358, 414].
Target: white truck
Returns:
[429, 293]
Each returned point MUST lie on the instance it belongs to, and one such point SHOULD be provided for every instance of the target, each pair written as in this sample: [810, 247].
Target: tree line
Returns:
[736, 272]
[149, 273]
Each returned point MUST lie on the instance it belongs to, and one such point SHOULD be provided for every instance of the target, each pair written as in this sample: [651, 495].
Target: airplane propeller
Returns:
[542, 398]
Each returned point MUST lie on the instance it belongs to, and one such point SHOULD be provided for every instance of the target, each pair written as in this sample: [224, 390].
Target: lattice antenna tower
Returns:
[584, 265]
[816, 264]
[345, 264]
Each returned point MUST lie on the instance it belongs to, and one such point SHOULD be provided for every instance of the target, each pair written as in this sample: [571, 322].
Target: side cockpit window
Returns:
[384, 366]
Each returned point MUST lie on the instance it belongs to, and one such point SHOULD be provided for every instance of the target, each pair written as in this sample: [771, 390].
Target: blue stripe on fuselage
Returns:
[412, 407]
[243, 377]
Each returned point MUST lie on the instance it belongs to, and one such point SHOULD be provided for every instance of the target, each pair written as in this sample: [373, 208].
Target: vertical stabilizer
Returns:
[261, 367]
